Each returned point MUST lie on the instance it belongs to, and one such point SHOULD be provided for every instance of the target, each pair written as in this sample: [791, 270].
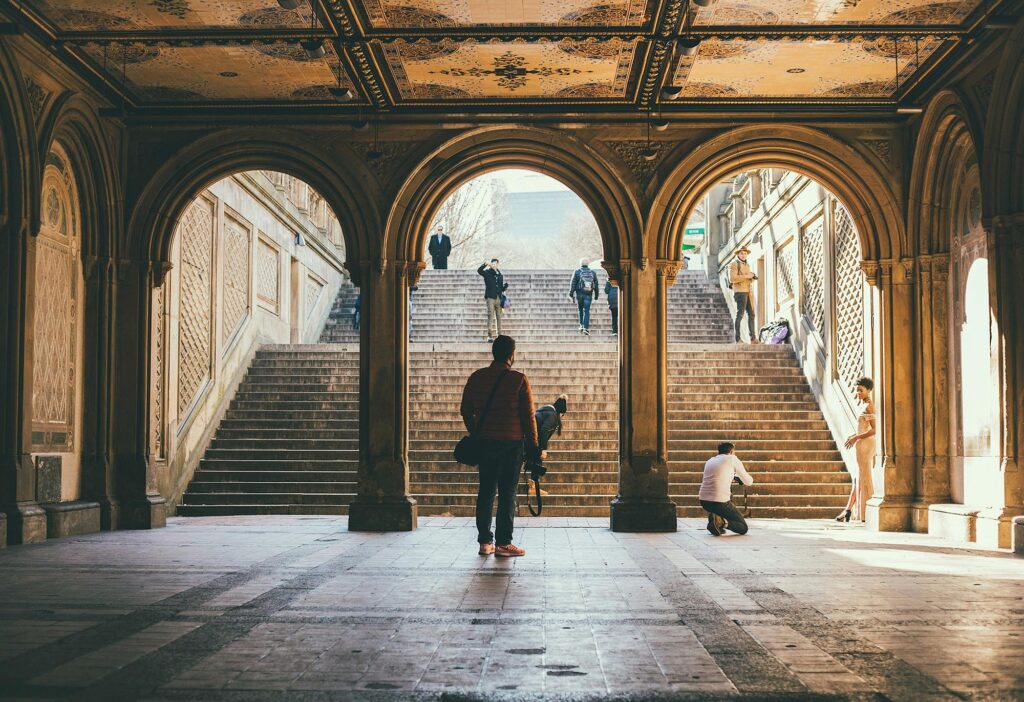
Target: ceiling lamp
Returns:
[671, 92]
[649, 154]
[659, 125]
[360, 125]
[314, 48]
[341, 94]
[687, 45]
[703, 3]
[289, 4]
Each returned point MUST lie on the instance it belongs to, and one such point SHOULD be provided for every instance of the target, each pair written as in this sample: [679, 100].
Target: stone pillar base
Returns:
[919, 514]
[382, 515]
[994, 527]
[641, 516]
[3, 531]
[888, 515]
[72, 519]
[1018, 535]
[149, 513]
[26, 523]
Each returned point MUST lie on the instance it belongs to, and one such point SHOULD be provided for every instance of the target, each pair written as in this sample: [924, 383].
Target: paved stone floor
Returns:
[248, 608]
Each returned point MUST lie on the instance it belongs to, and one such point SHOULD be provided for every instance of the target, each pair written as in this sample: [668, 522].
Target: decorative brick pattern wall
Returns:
[235, 280]
[849, 300]
[195, 335]
[812, 251]
[268, 276]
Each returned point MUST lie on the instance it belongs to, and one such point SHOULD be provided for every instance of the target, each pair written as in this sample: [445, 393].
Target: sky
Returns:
[523, 181]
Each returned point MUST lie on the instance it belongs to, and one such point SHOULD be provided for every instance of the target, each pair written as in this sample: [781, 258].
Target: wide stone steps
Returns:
[289, 441]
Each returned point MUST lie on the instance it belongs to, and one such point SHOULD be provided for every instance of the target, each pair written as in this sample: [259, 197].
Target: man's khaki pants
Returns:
[494, 312]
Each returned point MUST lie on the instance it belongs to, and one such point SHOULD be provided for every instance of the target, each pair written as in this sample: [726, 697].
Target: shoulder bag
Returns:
[467, 451]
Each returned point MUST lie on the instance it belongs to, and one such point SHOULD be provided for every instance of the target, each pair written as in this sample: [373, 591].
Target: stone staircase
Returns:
[339, 329]
[583, 462]
[289, 441]
[288, 444]
[757, 398]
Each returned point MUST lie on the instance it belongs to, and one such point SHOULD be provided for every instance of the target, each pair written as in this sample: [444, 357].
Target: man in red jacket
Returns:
[509, 429]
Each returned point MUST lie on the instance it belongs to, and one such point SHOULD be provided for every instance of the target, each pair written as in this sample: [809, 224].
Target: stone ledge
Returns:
[954, 522]
[71, 518]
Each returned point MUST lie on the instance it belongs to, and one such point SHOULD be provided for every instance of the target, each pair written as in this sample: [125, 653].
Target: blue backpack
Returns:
[587, 280]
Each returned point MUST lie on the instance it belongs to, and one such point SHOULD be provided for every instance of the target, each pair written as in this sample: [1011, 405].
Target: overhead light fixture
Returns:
[703, 3]
[649, 154]
[289, 4]
[671, 92]
[687, 46]
[341, 94]
[299, 239]
[314, 48]
[360, 125]
[374, 154]
[659, 125]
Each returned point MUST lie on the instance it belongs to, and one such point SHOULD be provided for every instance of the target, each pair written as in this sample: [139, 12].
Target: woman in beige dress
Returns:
[864, 440]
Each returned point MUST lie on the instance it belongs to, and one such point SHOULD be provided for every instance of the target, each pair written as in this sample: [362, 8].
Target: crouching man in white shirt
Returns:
[715, 495]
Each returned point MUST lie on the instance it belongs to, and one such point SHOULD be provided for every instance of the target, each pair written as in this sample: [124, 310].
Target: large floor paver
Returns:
[276, 608]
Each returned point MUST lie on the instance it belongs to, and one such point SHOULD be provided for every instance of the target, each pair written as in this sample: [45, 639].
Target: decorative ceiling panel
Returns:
[114, 15]
[436, 14]
[761, 12]
[564, 69]
[262, 72]
[799, 69]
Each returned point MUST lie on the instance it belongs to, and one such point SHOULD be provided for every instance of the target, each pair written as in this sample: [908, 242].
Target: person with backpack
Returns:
[611, 294]
[740, 280]
[583, 289]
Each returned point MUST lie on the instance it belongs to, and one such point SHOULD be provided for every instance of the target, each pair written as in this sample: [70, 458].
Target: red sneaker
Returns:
[509, 550]
[486, 549]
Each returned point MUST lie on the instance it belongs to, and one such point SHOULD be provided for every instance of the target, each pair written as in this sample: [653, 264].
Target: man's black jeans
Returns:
[744, 307]
[615, 318]
[728, 511]
[499, 473]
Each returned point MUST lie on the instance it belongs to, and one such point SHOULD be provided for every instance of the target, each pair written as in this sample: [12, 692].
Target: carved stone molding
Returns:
[37, 96]
[158, 271]
[383, 158]
[872, 272]
[935, 265]
[411, 271]
[633, 153]
[668, 269]
[903, 271]
[882, 148]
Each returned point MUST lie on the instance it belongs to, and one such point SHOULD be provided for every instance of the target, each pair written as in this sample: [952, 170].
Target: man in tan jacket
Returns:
[742, 278]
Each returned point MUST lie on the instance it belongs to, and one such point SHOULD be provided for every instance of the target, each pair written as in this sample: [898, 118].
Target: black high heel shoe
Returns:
[844, 516]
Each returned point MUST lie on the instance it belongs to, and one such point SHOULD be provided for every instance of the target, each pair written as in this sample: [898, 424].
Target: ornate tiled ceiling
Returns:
[426, 54]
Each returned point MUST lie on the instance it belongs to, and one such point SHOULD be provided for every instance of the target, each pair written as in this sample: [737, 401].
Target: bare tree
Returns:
[472, 216]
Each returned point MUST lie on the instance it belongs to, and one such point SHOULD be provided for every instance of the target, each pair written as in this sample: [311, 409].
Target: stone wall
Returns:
[238, 280]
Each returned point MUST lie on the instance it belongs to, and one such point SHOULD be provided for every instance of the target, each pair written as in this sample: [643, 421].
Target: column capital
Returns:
[668, 268]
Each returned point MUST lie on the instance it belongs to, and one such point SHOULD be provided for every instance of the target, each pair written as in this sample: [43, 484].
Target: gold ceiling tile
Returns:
[263, 72]
[471, 70]
[104, 15]
[761, 12]
[433, 14]
[797, 69]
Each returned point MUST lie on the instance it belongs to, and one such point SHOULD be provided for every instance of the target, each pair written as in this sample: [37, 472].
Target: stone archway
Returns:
[869, 195]
[165, 195]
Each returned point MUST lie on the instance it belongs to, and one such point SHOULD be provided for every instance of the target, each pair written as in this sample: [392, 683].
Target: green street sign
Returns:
[694, 231]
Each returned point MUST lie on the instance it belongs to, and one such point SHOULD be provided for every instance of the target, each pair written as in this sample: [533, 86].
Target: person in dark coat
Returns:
[494, 286]
[549, 423]
[440, 248]
[611, 294]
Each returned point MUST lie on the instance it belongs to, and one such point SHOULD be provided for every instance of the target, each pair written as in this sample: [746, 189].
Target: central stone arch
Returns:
[477, 152]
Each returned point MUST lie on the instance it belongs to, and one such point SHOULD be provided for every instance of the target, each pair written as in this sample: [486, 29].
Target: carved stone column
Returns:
[25, 519]
[137, 503]
[643, 504]
[382, 501]
[890, 508]
[933, 387]
[1006, 257]
[99, 421]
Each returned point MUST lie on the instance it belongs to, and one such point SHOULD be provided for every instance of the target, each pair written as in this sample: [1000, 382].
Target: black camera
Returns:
[536, 469]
